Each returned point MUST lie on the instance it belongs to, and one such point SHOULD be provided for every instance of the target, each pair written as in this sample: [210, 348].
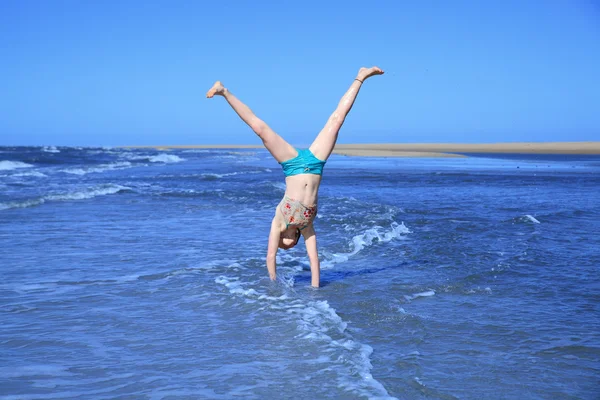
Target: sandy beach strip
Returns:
[427, 149]
[466, 148]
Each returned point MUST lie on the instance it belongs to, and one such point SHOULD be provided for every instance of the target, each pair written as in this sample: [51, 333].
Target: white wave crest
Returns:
[158, 158]
[532, 219]
[216, 176]
[50, 149]
[87, 193]
[373, 235]
[21, 204]
[98, 168]
[427, 293]
[166, 158]
[10, 165]
[35, 174]
[77, 195]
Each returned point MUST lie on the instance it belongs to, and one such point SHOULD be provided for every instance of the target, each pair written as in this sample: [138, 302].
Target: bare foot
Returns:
[217, 89]
[365, 73]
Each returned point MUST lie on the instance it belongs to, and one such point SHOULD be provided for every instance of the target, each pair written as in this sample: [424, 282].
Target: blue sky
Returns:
[126, 72]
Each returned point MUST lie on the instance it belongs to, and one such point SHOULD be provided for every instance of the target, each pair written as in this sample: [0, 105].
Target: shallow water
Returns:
[141, 274]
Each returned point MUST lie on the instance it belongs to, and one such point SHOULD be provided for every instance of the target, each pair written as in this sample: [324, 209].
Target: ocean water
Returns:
[139, 274]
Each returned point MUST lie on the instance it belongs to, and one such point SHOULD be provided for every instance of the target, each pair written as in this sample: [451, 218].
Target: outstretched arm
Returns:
[272, 248]
[310, 239]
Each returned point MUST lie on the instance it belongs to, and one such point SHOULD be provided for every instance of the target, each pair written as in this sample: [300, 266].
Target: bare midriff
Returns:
[303, 188]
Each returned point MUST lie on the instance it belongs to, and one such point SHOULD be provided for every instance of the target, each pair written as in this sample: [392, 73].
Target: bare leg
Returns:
[325, 141]
[277, 146]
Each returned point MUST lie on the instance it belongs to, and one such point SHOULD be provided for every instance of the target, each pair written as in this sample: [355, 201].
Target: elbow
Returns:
[259, 127]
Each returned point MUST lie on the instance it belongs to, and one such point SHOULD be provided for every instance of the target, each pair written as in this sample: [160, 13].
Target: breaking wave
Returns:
[88, 193]
[10, 165]
[99, 168]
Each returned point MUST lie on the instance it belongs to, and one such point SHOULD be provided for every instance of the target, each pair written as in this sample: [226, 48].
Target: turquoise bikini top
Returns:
[304, 163]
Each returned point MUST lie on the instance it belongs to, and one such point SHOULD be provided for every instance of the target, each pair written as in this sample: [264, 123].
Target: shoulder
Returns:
[278, 221]
[308, 231]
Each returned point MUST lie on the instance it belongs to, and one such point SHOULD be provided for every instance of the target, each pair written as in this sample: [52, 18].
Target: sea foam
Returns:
[35, 174]
[158, 158]
[88, 193]
[98, 168]
[10, 165]
[213, 176]
[377, 234]
[319, 323]
[166, 158]
[427, 293]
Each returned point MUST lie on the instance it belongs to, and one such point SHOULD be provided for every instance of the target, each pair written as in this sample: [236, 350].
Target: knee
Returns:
[335, 122]
[337, 118]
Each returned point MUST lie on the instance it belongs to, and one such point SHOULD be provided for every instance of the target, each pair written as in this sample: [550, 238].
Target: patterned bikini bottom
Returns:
[297, 214]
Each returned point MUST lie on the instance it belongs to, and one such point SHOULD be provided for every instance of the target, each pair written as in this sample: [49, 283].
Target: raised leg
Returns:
[325, 141]
[277, 146]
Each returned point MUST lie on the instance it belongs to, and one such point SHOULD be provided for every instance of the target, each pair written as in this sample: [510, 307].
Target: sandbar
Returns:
[426, 149]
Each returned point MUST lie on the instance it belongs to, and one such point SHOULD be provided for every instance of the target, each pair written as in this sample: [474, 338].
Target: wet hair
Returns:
[297, 237]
